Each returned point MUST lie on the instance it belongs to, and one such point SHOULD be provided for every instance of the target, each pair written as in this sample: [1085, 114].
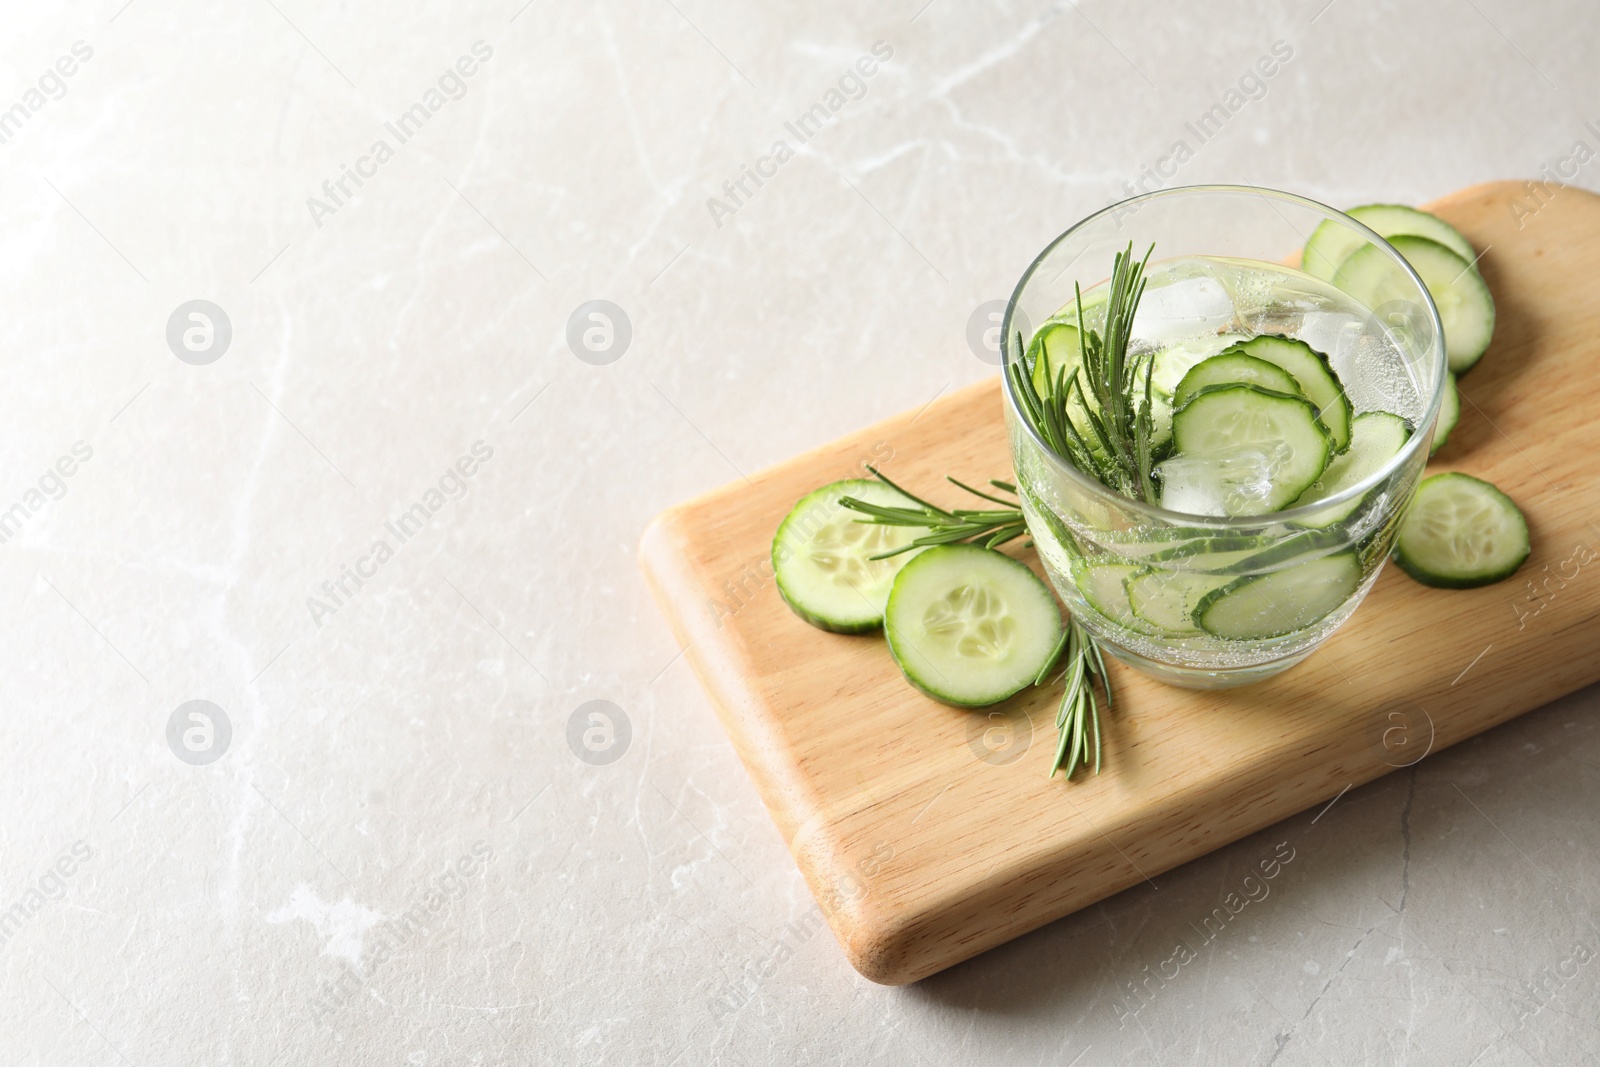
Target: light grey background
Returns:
[642, 910]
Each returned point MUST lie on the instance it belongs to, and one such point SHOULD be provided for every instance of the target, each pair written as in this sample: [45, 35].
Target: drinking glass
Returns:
[1094, 541]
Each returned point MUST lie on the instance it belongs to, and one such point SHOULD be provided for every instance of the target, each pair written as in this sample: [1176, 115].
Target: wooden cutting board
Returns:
[929, 834]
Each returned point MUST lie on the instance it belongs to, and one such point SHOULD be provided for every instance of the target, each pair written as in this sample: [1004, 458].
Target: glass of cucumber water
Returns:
[1290, 423]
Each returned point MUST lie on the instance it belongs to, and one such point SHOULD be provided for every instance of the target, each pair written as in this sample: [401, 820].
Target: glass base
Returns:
[1200, 677]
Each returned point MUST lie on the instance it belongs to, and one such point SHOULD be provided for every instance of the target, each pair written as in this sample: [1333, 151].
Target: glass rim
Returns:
[1094, 486]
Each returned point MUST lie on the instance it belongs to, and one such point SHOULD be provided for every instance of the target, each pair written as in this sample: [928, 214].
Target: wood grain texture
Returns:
[921, 854]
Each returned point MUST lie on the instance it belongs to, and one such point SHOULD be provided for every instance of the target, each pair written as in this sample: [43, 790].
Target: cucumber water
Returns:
[1291, 406]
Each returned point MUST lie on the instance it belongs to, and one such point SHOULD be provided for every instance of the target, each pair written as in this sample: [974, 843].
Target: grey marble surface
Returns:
[394, 854]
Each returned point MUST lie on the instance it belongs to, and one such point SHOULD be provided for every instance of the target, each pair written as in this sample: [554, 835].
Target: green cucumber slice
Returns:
[1213, 547]
[1140, 537]
[1166, 599]
[1243, 450]
[822, 557]
[1170, 364]
[1231, 367]
[1465, 305]
[970, 626]
[1139, 550]
[1396, 220]
[1460, 533]
[1449, 413]
[1285, 551]
[1376, 437]
[1169, 545]
[1332, 243]
[1056, 349]
[1104, 586]
[1281, 602]
[1167, 368]
[1219, 560]
[1234, 555]
[1316, 376]
[1057, 352]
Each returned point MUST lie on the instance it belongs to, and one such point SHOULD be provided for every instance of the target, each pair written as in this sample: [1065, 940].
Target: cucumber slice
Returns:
[1396, 220]
[1057, 352]
[1166, 599]
[1465, 306]
[1167, 368]
[1460, 533]
[1249, 554]
[1449, 413]
[1215, 546]
[1056, 349]
[1220, 560]
[1332, 243]
[1316, 376]
[1140, 550]
[1104, 586]
[1273, 605]
[1231, 367]
[1285, 551]
[822, 557]
[970, 626]
[1138, 537]
[1252, 450]
[1376, 437]
[1170, 364]
[1167, 547]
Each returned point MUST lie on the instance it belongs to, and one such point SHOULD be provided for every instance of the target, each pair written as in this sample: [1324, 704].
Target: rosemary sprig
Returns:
[990, 527]
[1078, 717]
[1098, 416]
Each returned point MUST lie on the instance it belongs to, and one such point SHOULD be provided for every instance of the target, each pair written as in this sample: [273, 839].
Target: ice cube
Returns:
[1271, 301]
[1332, 333]
[1230, 481]
[1194, 301]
